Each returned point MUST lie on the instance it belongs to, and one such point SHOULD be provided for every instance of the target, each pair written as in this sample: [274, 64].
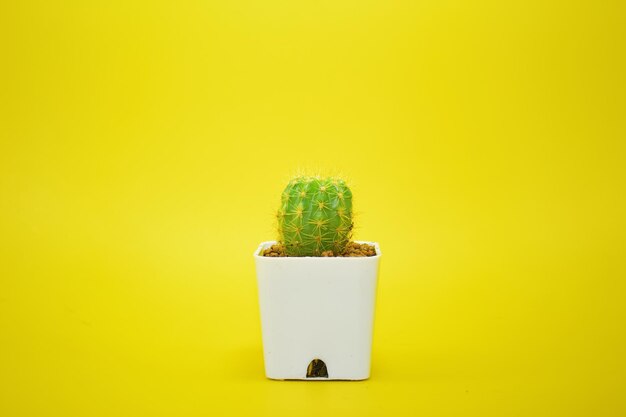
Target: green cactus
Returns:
[315, 216]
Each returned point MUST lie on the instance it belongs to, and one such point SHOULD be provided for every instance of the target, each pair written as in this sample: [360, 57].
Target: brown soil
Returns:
[353, 249]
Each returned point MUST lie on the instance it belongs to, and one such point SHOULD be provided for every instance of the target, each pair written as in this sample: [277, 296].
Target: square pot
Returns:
[317, 315]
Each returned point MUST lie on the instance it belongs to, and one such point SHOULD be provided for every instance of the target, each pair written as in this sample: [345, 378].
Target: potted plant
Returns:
[317, 288]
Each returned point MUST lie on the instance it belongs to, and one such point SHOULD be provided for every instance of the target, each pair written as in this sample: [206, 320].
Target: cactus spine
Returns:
[315, 215]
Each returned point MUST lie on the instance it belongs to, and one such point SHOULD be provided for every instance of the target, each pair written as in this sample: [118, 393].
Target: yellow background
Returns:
[144, 146]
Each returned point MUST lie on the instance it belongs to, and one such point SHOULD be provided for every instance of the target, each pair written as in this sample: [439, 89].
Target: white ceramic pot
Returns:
[317, 315]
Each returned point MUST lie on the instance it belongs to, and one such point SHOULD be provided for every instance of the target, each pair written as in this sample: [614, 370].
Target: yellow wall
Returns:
[144, 146]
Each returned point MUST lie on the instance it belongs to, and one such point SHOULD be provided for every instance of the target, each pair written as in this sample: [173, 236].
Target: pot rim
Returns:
[268, 243]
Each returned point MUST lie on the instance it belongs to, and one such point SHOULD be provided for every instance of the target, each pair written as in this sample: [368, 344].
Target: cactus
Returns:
[315, 216]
